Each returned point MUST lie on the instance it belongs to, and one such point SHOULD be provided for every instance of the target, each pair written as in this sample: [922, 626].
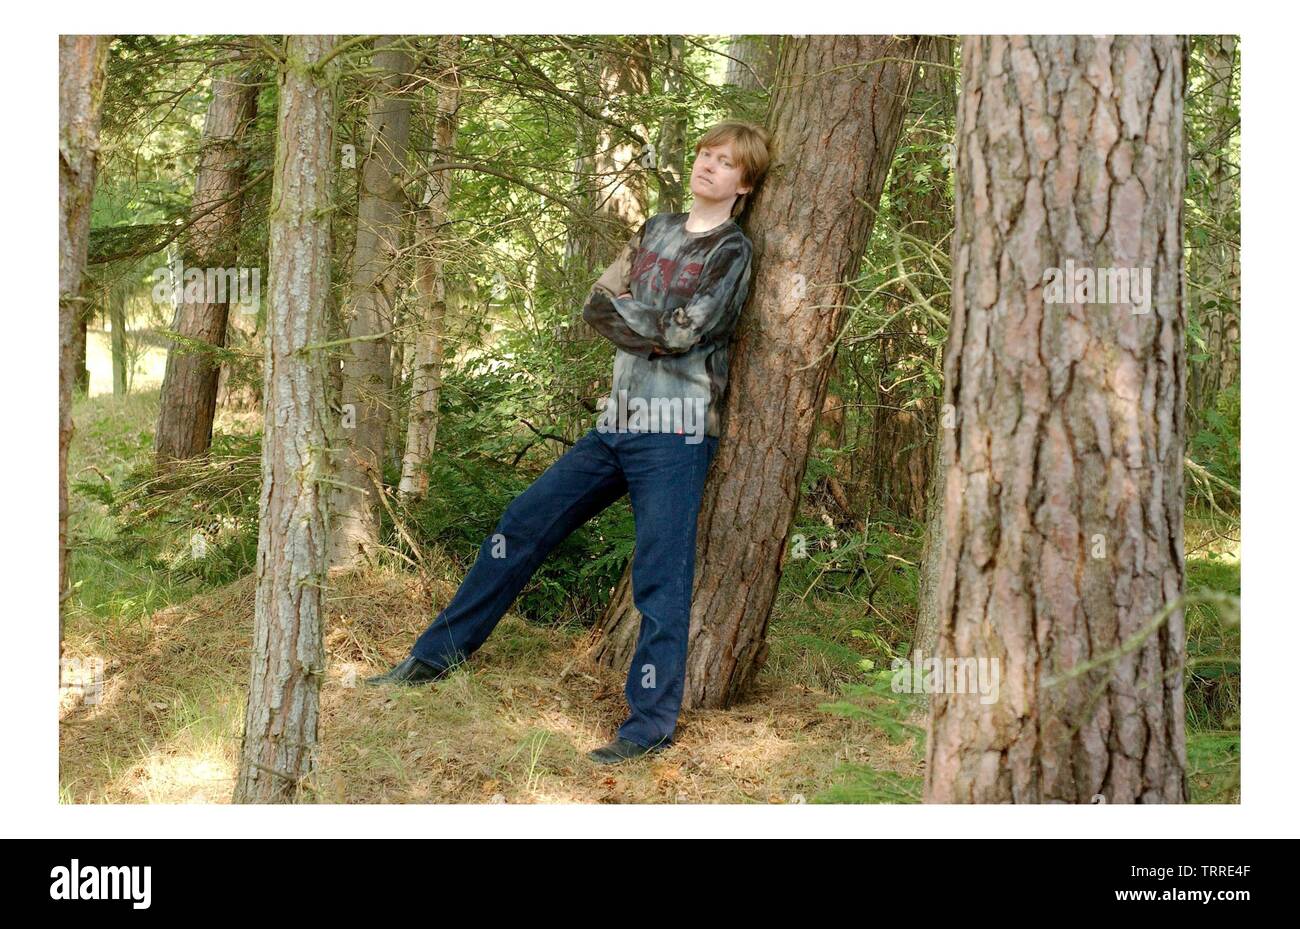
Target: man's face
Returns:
[716, 175]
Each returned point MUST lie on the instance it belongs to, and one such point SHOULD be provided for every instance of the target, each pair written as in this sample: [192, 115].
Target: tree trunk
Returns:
[431, 287]
[188, 402]
[752, 62]
[82, 63]
[116, 296]
[1216, 302]
[620, 199]
[901, 449]
[368, 314]
[80, 325]
[927, 588]
[1063, 560]
[835, 118]
[288, 654]
[672, 133]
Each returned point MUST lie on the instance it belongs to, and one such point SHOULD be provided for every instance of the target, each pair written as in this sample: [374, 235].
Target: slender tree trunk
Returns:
[1217, 302]
[901, 449]
[288, 655]
[835, 118]
[82, 64]
[117, 320]
[368, 315]
[672, 133]
[431, 287]
[927, 593]
[188, 402]
[80, 342]
[1064, 490]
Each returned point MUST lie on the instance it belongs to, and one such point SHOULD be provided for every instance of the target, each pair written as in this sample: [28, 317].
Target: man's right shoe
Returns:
[412, 671]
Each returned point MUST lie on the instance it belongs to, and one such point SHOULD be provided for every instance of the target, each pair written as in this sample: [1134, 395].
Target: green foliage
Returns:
[1213, 679]
[883, 702]
[1214, 766]
[1217, 445]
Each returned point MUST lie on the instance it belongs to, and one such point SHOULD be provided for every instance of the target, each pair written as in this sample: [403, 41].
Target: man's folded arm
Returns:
[600, 313]
[723, 285]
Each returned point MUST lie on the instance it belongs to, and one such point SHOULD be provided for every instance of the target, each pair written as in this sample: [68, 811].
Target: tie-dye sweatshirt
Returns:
[673, 333]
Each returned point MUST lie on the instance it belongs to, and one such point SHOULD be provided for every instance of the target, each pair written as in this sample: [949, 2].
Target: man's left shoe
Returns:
[622, 750]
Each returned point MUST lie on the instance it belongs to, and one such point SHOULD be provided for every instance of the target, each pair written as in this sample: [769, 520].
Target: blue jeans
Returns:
[664, 476]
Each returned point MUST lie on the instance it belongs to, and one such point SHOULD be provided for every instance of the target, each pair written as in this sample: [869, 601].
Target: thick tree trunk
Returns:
[82, 62]
[751, 64]
[1064, 490]
[835, 119]
[188, 402]
[288, 654]
[368, 315]
[431, 287]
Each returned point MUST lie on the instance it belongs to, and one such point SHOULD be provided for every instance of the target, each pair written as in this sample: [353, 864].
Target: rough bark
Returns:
[82, 65]
[1064, 485]
[369, 313]
[835, 118]
[288, 654]
[188, 401]
[430, 311]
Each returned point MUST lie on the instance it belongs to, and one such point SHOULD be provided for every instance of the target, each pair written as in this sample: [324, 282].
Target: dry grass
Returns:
[511, 726]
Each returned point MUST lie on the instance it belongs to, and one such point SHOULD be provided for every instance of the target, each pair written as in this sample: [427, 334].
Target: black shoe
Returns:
[412, 671]
[622, 750]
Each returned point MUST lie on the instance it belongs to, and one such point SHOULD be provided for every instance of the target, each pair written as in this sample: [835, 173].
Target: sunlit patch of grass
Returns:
[1214, 766]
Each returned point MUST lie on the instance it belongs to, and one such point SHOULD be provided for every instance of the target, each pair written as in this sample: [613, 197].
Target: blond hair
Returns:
[752, 145]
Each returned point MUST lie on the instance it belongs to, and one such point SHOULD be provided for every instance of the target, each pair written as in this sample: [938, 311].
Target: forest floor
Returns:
[510, 726]
[513, 724]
